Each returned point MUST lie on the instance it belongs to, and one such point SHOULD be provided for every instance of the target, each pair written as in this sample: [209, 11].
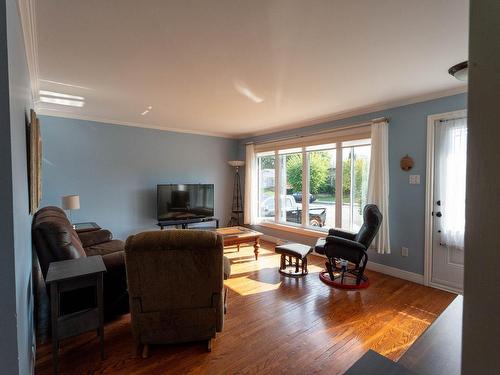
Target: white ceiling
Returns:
[236, 68]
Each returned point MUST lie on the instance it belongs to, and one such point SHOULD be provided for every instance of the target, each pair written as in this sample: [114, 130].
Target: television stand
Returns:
[184, 223]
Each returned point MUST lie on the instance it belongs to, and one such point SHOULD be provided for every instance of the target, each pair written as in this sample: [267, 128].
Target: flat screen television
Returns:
[184, 201]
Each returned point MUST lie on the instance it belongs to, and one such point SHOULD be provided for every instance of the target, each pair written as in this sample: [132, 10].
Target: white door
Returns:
[448, 212]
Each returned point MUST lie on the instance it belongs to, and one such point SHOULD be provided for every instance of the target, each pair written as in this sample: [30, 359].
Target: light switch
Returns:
[414, 179]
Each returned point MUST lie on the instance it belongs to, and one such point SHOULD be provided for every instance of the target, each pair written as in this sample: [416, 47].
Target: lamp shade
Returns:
[71, 202]
[236, 163]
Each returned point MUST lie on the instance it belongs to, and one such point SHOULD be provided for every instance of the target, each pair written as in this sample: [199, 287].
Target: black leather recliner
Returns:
[351, 247]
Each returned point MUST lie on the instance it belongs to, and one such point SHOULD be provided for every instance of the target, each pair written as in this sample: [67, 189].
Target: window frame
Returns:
[335, 138]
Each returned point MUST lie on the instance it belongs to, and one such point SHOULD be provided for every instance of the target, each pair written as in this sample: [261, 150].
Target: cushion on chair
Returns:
[54, 237]
[294, 249]
[341, 233]
[105, 248]
[95, 237]
[320, 246]
[372, 218]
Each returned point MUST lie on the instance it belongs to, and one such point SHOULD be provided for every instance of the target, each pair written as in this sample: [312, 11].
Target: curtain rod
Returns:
[298, 136]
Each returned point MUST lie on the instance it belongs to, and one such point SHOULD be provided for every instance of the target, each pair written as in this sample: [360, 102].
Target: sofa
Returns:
[55, 240]
[176, 287]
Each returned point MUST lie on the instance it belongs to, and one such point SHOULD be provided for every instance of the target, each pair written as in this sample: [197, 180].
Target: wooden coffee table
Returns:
[238, 235]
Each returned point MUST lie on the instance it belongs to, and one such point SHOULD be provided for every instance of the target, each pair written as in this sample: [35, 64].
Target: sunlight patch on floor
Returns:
[246, 286]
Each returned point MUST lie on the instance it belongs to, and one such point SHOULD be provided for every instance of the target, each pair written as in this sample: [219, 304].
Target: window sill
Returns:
[295, 229]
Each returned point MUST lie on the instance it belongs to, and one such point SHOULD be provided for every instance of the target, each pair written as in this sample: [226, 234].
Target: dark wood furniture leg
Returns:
[256, 248]
[54, 306]
[100, 307]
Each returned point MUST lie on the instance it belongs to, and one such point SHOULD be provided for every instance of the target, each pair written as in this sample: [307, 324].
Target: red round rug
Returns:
[349, 281]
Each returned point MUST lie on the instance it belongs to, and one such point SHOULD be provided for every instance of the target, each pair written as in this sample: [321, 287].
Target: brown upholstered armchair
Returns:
[176, 289]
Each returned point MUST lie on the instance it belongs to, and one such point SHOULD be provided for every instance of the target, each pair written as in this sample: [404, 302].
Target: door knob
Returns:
[439, 214]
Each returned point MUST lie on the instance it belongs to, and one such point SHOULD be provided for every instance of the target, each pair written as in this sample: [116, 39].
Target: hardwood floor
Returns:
[274, 324]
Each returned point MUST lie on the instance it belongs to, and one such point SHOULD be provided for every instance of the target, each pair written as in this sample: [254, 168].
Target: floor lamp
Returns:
[237, 207]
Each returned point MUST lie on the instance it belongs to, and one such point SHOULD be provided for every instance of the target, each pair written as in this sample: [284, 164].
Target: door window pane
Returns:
[266, 165]
[322, 187]
[290, 187]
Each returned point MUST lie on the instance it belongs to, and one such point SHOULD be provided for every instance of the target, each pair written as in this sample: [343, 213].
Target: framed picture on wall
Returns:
[34, 163]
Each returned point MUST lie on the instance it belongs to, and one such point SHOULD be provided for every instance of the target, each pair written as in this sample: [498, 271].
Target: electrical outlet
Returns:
[414, 179]
[404, 251]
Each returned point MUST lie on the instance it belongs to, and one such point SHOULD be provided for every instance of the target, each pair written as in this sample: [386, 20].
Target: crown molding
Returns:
[360, 111]
[293, 126]
[27, 13]
[104, 121]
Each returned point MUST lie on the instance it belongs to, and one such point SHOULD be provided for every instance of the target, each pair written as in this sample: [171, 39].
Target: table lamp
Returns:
[71, 202]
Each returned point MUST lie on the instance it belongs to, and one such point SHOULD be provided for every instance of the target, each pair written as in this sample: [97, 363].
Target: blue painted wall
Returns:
[115, 170]
[407, 135]
[16, 307]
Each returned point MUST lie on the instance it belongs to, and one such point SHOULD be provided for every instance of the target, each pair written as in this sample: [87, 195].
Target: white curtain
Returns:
[378, 183]
[251, 181]
[451, 154]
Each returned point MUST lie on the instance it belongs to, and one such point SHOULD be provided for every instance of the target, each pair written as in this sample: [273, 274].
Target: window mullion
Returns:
[305, 189]
[351, 215]
[277, 186]
[338, 186]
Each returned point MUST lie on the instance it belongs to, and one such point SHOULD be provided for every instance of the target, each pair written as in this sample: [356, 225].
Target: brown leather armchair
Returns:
[55, 240]
[176, 288]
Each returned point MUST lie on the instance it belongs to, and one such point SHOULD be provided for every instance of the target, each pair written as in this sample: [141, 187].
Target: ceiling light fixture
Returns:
[460, 71]
[60, 101]
[60, 95]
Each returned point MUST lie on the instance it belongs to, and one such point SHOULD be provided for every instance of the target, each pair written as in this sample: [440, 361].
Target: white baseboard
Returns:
[391, 271]
[377, 267]
[396, 272]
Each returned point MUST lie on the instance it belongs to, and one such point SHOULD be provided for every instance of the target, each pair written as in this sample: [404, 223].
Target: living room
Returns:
[249, 187]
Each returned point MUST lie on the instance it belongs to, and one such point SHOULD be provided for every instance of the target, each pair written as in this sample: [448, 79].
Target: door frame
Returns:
[429, 196]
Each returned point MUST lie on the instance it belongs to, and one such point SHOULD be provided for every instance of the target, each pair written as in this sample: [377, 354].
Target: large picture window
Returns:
[317, 186]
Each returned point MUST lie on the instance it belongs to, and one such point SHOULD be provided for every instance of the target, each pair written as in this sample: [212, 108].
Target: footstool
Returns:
[293, 259]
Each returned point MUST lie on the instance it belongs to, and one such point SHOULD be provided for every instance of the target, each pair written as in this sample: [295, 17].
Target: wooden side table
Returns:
[86, 227]
[70, 275]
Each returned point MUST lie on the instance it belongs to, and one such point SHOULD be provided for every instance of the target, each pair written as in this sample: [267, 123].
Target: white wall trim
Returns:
[27, 13]
[391, 271]
[396, 272]
[361, 111]
[429, 195]
[104, 121]
[294, 126]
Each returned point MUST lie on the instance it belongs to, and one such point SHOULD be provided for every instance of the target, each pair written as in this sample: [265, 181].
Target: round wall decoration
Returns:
[406, 163]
